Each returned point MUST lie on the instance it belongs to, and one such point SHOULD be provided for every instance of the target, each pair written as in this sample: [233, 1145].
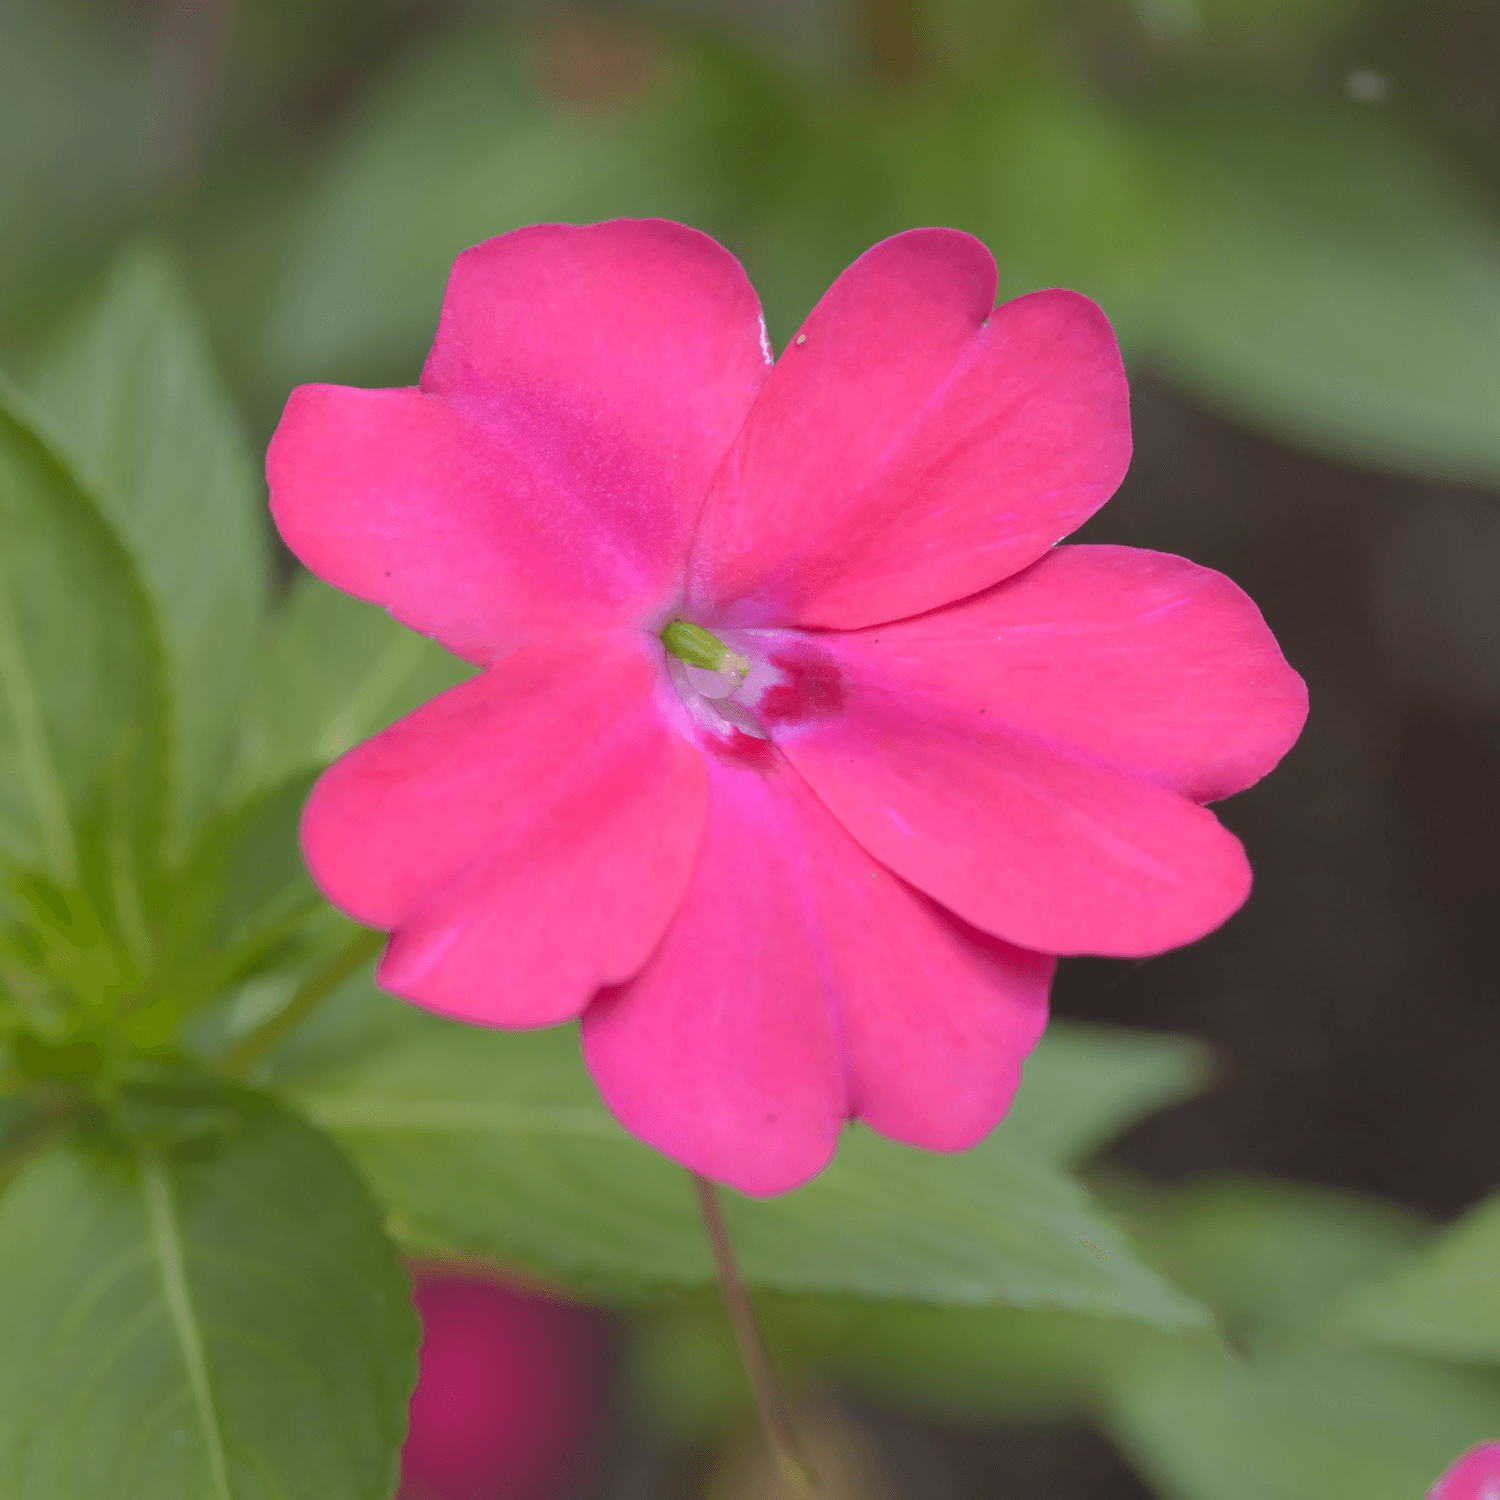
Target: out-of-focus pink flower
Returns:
[818, 873]
[511, 1395]
[1475, 1476]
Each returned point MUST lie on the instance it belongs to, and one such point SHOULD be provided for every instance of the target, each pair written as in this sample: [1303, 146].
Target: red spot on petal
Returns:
[742, 749]
[814, 688]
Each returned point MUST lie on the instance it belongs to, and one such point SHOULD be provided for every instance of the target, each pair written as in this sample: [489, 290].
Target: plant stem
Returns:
[769, 1401]
[243, 1056]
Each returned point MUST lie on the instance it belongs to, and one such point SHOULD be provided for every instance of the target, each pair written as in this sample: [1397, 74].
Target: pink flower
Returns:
[511, 1394]
[816, 875]
[1475, 1475]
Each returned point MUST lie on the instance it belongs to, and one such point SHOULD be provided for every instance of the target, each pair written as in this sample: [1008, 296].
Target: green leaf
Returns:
[132, 390]
[965, 1364]
[229, 1325]
[1067, 199]
[1445, 1301]
[1270, 1257]
[1328, 280]
[75, 111]
[496, 1143]
[1317, 1424]
[684, 1373]
[1054, 182]
[1085, 1085]
[333, 671]
[81, 736]
[994, 1224]
[808, 174]
[459, 144]
[1299, 1413]
[244, 891]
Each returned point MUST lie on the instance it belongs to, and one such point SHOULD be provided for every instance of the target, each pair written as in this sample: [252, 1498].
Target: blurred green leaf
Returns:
[262, 862]
[1270, 1257]
[1270, 27]
[1067, 199]
[132, 390]
[1445, 1301]
[1316, 1424]
[1052, 179]
[496, 1143]
[228, 1322]
[967, 1364]
[75, 117]
[460, 143]
[806, 175]
[1085, 1085]
[34, 1115]
[1304, 1415]
[333, 671]
[1280, 33]
[244, 892]
[1326, 279]
[684, 1372]
[81, 739]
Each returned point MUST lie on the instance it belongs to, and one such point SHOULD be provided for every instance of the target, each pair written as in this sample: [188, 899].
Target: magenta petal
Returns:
[527, 835]
[399, 498]
[621, 358]
[801, 984]
[583, 387]
[1041, 846]
[937, 1017]
[1141, 660]
[1475, 1475]
[913, 446]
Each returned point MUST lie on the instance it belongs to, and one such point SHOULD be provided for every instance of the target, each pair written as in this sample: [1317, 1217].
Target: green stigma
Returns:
[700, 648]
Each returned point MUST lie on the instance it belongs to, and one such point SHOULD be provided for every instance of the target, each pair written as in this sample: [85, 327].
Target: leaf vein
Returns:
[166, 1237]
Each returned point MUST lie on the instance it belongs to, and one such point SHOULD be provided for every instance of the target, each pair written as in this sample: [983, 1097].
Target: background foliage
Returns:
[217, 1140]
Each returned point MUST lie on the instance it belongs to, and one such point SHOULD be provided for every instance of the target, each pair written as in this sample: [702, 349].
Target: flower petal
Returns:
[583, 387]
[1039, 844]
[1140, 659]
[1473, 1475]
[937, 1017]
[912, 447]
[399, 498]
[528, 834]
[801, 984]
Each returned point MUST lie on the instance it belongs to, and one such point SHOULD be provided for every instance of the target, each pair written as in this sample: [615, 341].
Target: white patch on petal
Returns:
[711, 706]
[741, 718]
[765, 341]
[713, 684]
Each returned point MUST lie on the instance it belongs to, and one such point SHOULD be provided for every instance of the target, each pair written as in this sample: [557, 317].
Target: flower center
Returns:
[701, 648]
[707, 675]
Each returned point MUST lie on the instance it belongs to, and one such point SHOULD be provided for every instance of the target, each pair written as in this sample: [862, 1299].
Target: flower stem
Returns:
[249, 1050]
[769, 1401]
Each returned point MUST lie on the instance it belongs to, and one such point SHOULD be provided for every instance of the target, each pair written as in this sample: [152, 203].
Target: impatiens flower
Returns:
[800, 747]
[1474, 1476]
[512, 1391]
